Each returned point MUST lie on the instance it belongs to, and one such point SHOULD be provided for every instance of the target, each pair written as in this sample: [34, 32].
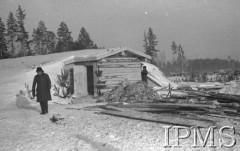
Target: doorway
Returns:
[90, 80]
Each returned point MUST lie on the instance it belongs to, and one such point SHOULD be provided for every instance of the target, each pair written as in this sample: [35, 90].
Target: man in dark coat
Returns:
[144, 74]
[43, 83]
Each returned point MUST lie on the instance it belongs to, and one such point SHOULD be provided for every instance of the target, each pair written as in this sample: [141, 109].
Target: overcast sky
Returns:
[205, 28]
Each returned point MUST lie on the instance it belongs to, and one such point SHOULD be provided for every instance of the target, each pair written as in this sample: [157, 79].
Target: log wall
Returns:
[115, 70]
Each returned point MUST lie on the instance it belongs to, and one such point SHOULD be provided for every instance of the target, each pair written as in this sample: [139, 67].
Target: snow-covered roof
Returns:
[98, 54]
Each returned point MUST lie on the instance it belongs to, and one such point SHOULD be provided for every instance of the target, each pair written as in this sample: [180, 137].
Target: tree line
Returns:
[180, 65]
[200, 66]
[15, 40]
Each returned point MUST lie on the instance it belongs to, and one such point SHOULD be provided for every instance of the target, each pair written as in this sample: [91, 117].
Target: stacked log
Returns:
[116, 70]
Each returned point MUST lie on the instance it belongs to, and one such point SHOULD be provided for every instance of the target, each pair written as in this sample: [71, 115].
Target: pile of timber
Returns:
[214, 95]
[139, 102]
[173, 107]
[202, 115]
[128, 91]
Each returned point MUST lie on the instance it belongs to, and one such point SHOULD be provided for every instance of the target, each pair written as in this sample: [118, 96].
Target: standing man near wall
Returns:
[43, 83]
[144, 74]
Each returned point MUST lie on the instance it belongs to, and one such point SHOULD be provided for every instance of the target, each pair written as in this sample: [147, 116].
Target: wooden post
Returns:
[170, 91]
[95, 78]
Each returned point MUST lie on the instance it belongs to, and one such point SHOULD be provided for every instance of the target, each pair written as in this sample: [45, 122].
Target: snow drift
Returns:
[157, 76]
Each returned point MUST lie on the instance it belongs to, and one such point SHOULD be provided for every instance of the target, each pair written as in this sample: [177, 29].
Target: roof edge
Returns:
[111, 51]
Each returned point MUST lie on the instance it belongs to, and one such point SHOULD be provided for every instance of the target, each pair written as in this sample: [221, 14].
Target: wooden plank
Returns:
[120, 77]
[113, 82]
[107, 82]
[106, 74]
[120, 59]
[221, 96]
[103, 78]
[227, 97]
[119, 65]
[105, 90]
[112, 85]
[133, 76]
[119, 70]
[210, 87]
[120, 80]
[109, 86]
[161, 118]
[125, 62]
[165, 105]
[119, 74]
[130, 78]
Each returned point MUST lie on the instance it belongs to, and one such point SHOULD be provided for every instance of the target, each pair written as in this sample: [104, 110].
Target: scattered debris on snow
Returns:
[56, 118]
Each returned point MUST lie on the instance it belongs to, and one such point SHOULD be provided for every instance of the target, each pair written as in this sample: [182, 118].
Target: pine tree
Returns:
[11, 33]
[22, 35]
[51, 41]
[64, 38]
[95, 46]
[174, 49]
[181, 58]
[150, 43]
[145, 40]
[39, 38]
[44, 40]
[84, 41]
[3, 42]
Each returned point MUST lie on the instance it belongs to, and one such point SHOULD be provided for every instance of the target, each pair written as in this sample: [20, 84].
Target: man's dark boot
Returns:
[46, 107]
[42, 108]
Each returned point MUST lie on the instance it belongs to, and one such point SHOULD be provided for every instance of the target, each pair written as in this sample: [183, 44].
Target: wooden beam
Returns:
[161, 118]
[120, 70]
[120, 65]
[164, 105]
[95, 78]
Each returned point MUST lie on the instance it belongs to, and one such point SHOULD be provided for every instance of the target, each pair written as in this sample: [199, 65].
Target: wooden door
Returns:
[90, 80]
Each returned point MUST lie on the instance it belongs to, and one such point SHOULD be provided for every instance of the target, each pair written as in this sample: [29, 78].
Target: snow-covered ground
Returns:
[15, 73]
[22, 128]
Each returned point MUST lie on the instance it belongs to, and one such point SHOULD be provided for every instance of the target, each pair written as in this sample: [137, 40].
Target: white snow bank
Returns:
[157, 76]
